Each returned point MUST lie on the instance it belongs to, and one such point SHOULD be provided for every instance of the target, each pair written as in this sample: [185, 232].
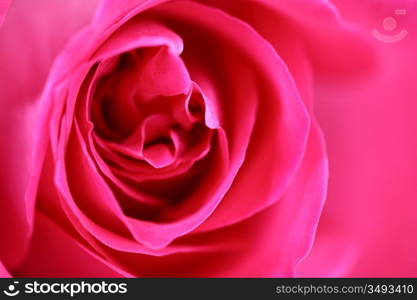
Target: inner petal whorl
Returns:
[146, 107]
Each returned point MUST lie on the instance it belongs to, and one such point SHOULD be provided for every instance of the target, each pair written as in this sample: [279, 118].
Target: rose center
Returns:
[146, 104]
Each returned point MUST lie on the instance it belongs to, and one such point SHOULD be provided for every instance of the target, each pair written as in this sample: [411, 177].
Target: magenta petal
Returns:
[172, 76]
[22, 74]
[147, 201]
[268, 244]
[324, 34]
[158, 155]
[369, 222]
[4, 5]
[277, 107]
[110, 11]
[16, 214]
[3, 272]
[206, 198]
[56, 254]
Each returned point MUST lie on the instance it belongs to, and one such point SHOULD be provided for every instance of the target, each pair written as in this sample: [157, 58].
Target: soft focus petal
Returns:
[4, 5]
[369, 223]
[15, 224]
[29, 41]
[317, 24]
[109, 11]
[54, 253]
[3, 272]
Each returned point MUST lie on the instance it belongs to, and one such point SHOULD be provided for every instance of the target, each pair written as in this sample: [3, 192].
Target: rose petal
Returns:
[325, 35]
[369, 222]
[56, 254]
[268, 244]
[3, 272]
[4, 5]
[109, 12]
[22, 73]
[277, 97]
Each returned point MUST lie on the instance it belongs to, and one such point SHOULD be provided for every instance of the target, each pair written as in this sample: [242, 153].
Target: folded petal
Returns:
[54, 253]
[268, 244]
[29, 41]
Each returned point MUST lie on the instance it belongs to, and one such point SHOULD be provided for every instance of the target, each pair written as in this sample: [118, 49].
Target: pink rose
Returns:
[178, 139]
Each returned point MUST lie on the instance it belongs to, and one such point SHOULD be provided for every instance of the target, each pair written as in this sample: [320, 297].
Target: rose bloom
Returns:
[207, 138]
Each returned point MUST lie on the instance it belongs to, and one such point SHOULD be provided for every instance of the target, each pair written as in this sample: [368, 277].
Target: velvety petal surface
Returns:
[369, 222]
[29, 42]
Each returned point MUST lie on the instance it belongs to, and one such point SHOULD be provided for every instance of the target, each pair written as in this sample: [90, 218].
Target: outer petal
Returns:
[3, 272]
[28, 45]
[4, 5]
[109, 10]
[317, 23]
[54, 253]
[369, 223]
